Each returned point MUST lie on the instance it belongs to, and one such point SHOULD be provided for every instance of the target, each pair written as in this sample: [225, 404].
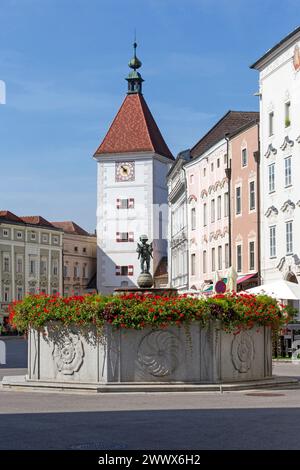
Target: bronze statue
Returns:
[144, 250]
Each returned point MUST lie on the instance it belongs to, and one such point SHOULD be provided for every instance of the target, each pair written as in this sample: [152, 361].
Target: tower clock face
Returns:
[124, 171]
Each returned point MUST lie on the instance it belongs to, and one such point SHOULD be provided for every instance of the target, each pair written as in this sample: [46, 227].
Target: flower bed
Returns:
[135, 338]
[235, 312]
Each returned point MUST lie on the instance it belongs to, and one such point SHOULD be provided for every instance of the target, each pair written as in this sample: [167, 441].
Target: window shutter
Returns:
[130, 270]
[118, 270]
[118, 237]
[131, 237]
[118, 203]
[131, 203]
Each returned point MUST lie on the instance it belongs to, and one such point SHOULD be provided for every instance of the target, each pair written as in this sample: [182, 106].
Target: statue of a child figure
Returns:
[144, 250]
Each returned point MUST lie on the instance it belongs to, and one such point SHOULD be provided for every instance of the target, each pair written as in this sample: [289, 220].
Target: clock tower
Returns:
[133, 161]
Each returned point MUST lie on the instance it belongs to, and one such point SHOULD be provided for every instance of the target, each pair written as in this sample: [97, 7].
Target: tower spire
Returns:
[134, 78]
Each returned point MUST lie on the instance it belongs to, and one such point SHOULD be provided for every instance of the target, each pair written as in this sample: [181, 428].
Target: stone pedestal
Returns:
[145, 280]
[189, 354]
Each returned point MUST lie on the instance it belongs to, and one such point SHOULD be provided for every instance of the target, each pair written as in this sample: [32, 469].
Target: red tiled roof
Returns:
[36, 220]
[230, 122]
[7, 215]
[134, 130]
[70, 227]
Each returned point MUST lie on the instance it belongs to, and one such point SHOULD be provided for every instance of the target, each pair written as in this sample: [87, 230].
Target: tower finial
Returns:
[134, 78]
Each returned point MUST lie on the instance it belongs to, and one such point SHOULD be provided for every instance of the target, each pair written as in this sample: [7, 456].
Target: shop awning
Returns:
[245, 277]
[279, 289]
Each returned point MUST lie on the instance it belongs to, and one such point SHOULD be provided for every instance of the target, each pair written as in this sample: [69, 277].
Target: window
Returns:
[287, 118]
[191, 179]
[288, 171]
[218, 163]
[225, 159]
[65, 270]
[251, 256]
[84, 250]
[55, 240]
[238, 200]
[43, 266]
[204, 261]
[272, 238]
[226, 205]
[124, 237]
[212, 167]
[19, 293]
[32, 267]
[204, 171]
[239, 258]
[289, 237]
[125, 203]
[5, 233]
[219, 257]
[252, 195]
[33, 236]
[124, 270]
[271, 177]
[244, 157]
[6, 263]
[212, 210]
[76, 248]
[213, 259]
[84, 271]
[45, 238]
[193, 218]
[271, 123]
[76, 271]
[204, 214]
[55, 267]
[193, 264]
[19, 234]
[219, 208]
[19, 264]
[6, 294]
[226, 255]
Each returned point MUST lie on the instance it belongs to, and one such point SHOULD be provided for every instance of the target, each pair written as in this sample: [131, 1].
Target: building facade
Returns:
[279, 92]
[177, 227]
[244, 199]
[79, 259]
[30, 258]
[208, 208]
[133, 161]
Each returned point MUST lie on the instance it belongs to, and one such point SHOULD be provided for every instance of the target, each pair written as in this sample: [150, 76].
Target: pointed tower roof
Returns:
[134, 128]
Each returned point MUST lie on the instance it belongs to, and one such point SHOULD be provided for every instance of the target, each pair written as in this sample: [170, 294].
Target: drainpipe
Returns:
[228, 176]
[256, 156]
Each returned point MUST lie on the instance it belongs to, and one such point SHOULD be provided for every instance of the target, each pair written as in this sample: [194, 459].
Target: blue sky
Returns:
[64, 64]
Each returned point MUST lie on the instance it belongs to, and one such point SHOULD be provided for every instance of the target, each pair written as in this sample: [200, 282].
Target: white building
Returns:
[279, 79]
[178, 239]
[133, 161]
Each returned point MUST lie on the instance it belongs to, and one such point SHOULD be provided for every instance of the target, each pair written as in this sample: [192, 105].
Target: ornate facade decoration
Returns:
[288, 205]
[287, 142]
[272, 210]
[281, 263]
[68, 357]
[242, 352]
[271, 150]
[192, 198]
[158, 353]
[204, 193]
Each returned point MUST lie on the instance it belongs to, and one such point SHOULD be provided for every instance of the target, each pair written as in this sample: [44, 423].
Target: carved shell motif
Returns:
[158, 353]
[242, 351]
[68, 356]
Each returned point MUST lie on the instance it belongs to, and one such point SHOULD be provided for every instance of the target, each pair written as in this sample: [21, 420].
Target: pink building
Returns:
[243, 151]
[208, 201]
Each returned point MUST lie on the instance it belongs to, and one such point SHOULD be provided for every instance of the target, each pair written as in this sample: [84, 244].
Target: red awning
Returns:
[245, 278]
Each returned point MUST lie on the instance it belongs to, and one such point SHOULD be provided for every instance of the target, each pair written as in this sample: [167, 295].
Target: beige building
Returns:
[79, 259]
[30, 258]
